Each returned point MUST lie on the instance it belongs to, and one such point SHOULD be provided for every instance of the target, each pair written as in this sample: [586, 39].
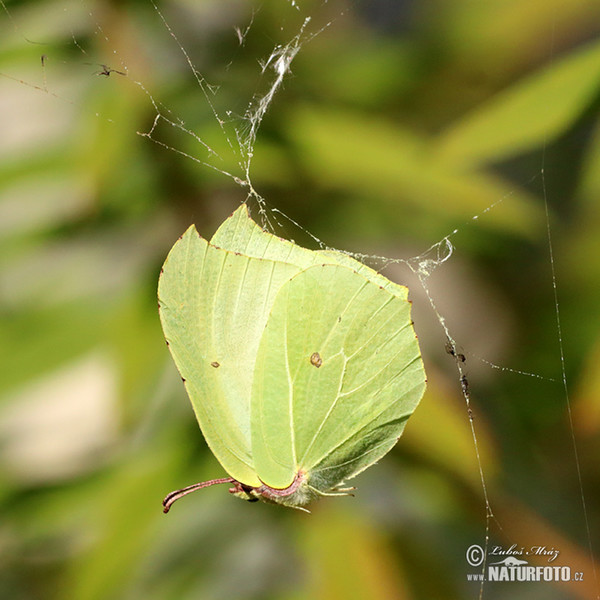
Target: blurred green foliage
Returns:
[399, 123]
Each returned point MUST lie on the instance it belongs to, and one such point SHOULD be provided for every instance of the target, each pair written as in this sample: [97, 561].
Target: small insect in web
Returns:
[106, 71]
[451, 350]
[464, 383]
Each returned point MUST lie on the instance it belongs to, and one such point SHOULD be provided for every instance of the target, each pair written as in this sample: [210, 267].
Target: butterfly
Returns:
[302, 366]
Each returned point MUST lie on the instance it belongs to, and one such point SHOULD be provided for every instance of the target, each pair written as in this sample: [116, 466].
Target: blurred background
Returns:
[399, 123]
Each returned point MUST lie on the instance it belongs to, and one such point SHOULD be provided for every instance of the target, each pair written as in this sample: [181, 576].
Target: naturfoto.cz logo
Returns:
[512, 568]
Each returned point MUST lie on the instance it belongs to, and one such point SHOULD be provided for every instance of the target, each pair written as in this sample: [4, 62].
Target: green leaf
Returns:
[394, 167]
[527, 114]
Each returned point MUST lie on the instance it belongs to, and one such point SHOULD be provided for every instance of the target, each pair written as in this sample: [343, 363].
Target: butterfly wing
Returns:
[213, 307]
[337, 374]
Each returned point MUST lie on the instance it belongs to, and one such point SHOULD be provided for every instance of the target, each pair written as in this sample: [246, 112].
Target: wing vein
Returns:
[290, 388]
[329, 411]
[405, 416]
[380, 370]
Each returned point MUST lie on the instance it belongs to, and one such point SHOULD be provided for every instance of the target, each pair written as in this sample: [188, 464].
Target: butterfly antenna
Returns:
[171, 498]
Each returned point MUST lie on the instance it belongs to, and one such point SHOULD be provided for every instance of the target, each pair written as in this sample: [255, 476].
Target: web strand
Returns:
[565, 385]
[422, 267]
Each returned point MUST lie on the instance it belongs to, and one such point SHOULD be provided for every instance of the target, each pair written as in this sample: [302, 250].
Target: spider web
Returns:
[229, 151]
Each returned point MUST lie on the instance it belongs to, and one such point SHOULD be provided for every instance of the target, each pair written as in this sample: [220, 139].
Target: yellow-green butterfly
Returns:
[302, 366]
